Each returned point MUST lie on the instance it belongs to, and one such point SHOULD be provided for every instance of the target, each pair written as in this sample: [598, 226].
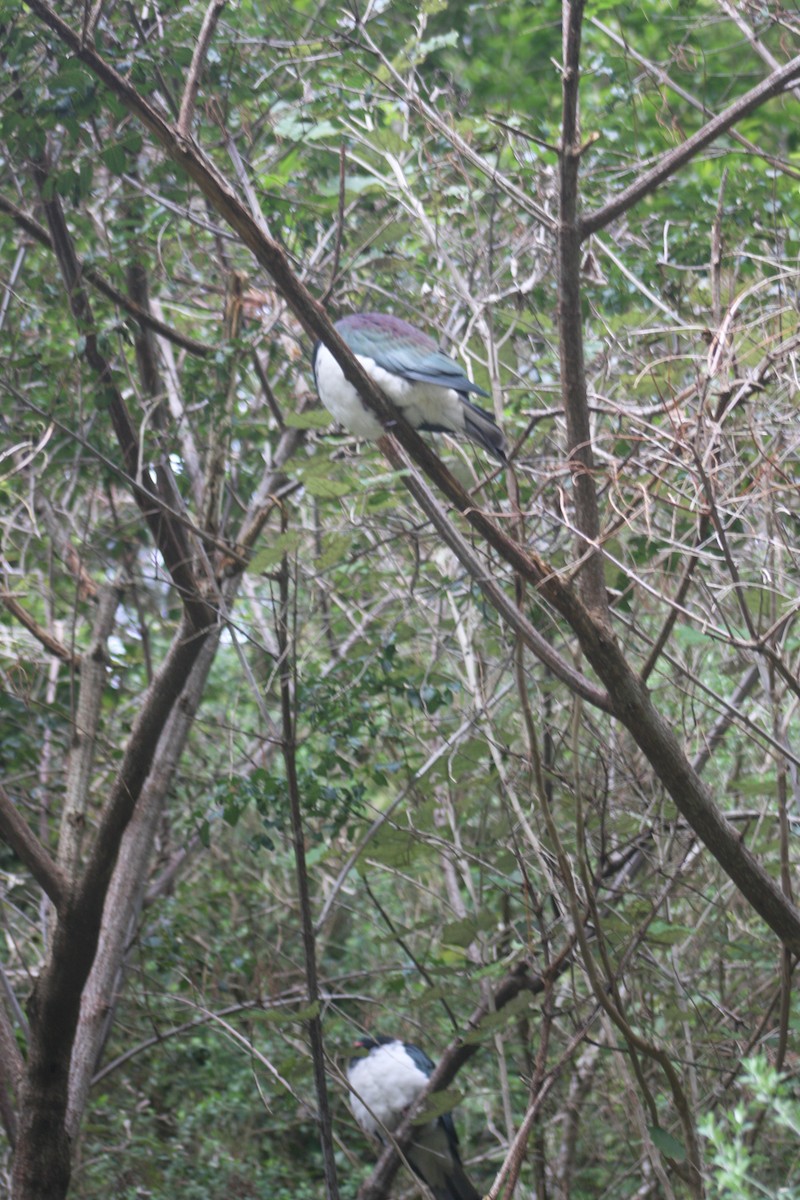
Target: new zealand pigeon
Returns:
[384, 1080]
[427, 386]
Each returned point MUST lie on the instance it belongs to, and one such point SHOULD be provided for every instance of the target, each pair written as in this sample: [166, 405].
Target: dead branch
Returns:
[50, 643]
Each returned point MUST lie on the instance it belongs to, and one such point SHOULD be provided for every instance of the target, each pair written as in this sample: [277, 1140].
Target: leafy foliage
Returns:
[454, 793]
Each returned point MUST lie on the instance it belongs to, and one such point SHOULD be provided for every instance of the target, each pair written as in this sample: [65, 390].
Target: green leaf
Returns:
[334, 548]
[757, 785]
[496, 1020]
[667, 933]
[115, 158]
[282, 1016]
[438, 1104]
[269, 556]
[460, 933]
[322, 129]
[327, 489]
[356, 185]
[435, 43]
[666, 1143]
[393, 847]
[316, 418]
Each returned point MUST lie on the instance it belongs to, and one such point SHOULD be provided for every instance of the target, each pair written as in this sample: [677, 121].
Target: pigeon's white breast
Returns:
[340, 397]
[420, 403]
[384, 1083]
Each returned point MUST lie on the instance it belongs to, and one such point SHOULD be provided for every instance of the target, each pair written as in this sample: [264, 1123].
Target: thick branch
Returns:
[674, 159]
[15, 830]
[11, 1070]
[43, 1143]
[168, 534]
[84, 733]
[633, 706]
[570, 323]
[127, 887]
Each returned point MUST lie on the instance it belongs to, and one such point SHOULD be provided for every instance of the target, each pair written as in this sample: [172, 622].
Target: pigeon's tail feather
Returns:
[483, 429]
[435, 1158]
[456, 1186]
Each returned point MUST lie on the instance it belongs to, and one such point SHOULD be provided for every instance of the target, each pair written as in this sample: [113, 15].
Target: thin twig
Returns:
[484, 578]
[763, 51]
[337, 246]
[412, 97]
[193, 79]
[288, 746]
[657, 72]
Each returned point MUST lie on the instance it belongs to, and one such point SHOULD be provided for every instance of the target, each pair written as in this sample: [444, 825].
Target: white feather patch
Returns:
[383, 1084]
[420, 403]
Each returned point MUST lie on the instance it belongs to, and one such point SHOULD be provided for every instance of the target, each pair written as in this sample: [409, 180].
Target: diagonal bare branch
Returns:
[665, 80]
[478, 571]
[15, 830]
[763, 51]
[193, 79]
[454, 1058]
[674, 159]
[50, 643]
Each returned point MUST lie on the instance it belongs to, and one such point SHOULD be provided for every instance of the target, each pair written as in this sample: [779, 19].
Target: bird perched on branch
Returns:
[385, 1078]
[427, 386]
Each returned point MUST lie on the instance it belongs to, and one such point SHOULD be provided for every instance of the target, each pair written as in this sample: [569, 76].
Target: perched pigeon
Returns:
[425, 384]
[384, 1080]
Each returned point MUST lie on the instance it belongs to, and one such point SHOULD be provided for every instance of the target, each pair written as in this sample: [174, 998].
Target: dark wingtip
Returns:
[481, 425]
[500, 453]
[488, 435]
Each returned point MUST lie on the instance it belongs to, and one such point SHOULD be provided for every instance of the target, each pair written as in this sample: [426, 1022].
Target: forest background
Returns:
[302, 738]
